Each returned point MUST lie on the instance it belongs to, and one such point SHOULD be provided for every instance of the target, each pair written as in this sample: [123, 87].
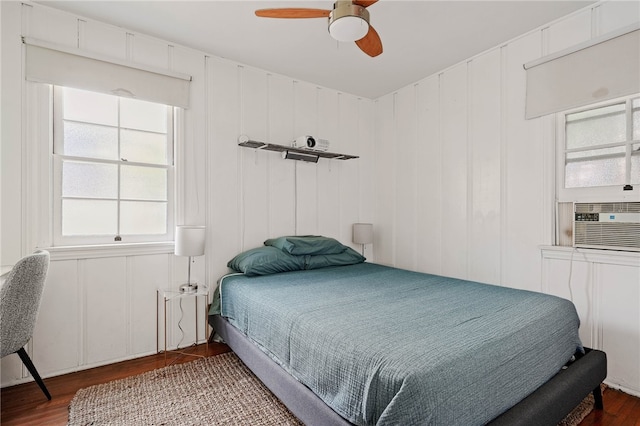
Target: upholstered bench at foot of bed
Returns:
[550, 403]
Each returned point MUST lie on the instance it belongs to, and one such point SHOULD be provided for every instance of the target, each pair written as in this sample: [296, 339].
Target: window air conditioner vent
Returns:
[607, 207]
[607, 226]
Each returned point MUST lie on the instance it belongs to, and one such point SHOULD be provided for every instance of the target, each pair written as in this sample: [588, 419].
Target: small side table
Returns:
[167, 295]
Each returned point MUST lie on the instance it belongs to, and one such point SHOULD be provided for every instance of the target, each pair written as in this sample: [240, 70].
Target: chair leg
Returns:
[32, 369]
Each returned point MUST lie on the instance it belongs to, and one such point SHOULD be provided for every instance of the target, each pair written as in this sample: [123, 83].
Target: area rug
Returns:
[218, 390]
[581, 411]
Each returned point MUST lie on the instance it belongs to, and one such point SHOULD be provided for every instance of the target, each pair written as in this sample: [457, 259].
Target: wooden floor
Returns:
[26, 404]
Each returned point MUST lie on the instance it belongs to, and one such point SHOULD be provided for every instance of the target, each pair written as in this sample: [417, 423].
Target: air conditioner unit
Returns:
[614, 226]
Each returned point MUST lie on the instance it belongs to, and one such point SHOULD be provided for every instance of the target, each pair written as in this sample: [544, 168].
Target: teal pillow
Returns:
[306, 245]
[265, 261]
[348, 257]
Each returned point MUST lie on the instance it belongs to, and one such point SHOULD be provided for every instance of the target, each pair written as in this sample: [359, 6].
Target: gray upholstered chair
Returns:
[19, 303]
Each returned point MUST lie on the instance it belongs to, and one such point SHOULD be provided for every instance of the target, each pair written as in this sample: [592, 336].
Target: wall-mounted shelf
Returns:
[244, 141]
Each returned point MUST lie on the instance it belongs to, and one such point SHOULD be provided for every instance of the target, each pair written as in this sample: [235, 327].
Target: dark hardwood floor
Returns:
[26, 404]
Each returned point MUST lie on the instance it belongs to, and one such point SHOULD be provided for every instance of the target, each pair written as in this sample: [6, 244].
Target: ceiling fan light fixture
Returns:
[348, 22]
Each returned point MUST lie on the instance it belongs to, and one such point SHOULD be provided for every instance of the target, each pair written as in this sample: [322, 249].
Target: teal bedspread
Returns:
[385, 346]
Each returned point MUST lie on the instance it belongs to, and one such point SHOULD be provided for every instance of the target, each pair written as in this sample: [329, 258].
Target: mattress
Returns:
[382, 346]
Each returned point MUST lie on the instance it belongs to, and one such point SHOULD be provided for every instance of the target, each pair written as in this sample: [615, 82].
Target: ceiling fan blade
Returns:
[293, 13]
[371, 43]
[364, 3]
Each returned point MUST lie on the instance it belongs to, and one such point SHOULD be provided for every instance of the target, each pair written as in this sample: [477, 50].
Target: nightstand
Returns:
[164, 296]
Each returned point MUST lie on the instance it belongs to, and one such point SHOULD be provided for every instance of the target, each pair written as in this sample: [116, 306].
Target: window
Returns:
[113, 169]
[601, 149]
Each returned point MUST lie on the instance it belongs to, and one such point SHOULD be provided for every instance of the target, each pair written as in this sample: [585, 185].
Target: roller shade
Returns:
[602, 69]
[50, 64]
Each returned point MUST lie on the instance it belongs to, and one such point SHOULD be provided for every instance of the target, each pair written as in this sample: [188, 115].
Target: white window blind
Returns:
[602, 69]
[74, 68]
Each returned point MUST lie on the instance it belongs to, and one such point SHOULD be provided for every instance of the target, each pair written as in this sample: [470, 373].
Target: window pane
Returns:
[89, 217]
[618, 151]
[143, 183]
[600, 172]
[596, 127]
[90, 140]
[89, 180]
[91, 107]
[138, 217]
[143, 147]
[142, 115]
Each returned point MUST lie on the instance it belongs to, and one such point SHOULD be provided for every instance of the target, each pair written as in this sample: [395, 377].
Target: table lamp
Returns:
[189, 242]
[362, 234]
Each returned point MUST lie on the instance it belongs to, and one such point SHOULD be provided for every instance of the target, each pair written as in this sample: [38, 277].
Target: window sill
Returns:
[109, 250]
[612, 257]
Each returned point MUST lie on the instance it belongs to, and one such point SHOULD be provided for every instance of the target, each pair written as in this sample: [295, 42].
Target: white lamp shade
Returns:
[363, 233]
[349, 28]
[190, 240]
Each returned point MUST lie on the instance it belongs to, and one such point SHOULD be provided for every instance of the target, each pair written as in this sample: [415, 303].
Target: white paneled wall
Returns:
[470, 181]
[100, 307]
[465, 186]
[259, 195]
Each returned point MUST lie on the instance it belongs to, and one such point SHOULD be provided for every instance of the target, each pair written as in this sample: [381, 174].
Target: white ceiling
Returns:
[419, 37]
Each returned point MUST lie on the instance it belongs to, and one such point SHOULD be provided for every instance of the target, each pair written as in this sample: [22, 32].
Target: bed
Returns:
[341, 341]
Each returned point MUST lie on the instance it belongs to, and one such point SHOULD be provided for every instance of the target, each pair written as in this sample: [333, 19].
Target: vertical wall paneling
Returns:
[192, 137]
[485, 167]
[149, 51]
[56, 336]
[365, 148]
[223, 130]
[612, 15]
[620, 319]
[103, 39]
[429, 176]
[384, 180]
[347, 187]
[569, 32]
[330, 116]
[573, 281]
[255, 174]
[48, 24]
[11, 105]
[305, 123]
[523, 172]
[454, 175]
[106, 329]
[405, 185]
[146, 274]
[281, 172]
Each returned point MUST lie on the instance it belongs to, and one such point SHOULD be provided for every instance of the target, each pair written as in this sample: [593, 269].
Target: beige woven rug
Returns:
[581, 411]
[218, 390]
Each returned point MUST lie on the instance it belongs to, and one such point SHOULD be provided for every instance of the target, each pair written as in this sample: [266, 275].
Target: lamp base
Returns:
[188, 288]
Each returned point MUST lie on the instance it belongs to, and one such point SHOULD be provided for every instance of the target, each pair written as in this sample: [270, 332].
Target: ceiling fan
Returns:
[348, 21]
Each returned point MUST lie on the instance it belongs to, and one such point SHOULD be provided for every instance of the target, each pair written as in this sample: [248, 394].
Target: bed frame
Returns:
[548, 405]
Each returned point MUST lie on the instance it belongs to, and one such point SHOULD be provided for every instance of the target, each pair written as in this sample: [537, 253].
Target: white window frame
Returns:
[42, 178]
[613, 193]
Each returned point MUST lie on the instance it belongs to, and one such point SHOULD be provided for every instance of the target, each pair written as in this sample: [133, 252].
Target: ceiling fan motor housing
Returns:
[348, 21]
